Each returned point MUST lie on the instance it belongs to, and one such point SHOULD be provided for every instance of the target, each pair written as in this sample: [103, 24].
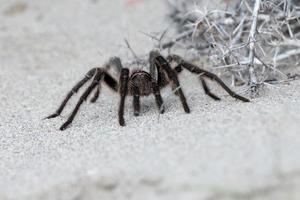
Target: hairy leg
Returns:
[207, 90]
[156, 73]
[164, 65]
[96, 94]
[124, 77]
[194, 69]
[83, 97]
[158, 98]
[75, 89]
[136, 101]
[111, 82]
[136, 105]
[115, 63]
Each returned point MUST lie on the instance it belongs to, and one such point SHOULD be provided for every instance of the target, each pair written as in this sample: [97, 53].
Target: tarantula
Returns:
[141, 83]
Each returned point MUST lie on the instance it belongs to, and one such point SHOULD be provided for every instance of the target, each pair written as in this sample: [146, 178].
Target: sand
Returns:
[221, 150]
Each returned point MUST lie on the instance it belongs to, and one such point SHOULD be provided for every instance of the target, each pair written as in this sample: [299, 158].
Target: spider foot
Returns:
[244, 99]
[187, 110]
[214, 97]
[52, 116]
[162, 110]
[93, 100]
[65, 126]
[122, 122]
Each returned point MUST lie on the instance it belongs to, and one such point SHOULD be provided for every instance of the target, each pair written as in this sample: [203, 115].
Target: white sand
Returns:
[222, 150]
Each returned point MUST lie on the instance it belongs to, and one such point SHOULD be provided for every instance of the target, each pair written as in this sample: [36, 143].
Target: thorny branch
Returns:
[253, 81]
[252, 41]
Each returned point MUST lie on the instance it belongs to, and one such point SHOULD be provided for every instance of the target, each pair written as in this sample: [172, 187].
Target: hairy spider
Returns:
[141, 83]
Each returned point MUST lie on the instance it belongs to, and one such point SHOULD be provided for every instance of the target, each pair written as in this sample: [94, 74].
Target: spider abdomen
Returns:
[140, 83]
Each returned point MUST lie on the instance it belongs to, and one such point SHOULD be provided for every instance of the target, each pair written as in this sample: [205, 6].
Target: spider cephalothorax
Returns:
[141, 83]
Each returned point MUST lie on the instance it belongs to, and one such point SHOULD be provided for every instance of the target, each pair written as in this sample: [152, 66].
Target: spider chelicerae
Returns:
[141, 83]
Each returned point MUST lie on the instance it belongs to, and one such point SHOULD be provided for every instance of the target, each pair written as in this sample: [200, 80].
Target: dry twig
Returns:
[254, 40]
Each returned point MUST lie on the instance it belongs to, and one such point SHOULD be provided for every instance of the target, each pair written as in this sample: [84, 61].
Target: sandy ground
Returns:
[222, 150]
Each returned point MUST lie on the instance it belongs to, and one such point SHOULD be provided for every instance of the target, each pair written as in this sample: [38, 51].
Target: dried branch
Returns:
[253, 40]
[252, 34]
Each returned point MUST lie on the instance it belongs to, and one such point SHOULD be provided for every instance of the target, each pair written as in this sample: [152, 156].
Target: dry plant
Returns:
[256, 42]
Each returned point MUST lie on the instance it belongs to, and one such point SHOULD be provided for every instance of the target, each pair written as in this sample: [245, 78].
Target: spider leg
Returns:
[110, 82]
[124, 77]
[194, 69]
[156, 72]
[207, 90]
[83, 97]
[115, 63]
[136, 105]
[136, 101]
[96, 94]
[75, 89]
[163, 64]
[158, 98]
